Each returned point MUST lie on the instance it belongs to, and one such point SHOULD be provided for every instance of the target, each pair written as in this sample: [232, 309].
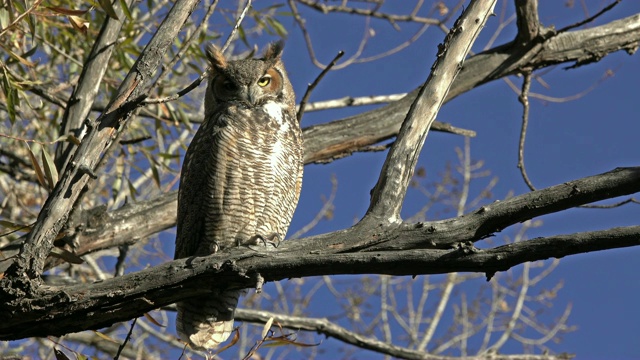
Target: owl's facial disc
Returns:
[229, 86]
[252, 87]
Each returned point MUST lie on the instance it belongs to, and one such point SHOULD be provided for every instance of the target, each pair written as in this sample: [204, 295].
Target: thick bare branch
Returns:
[408, 249]
[75, 308]
[388, 194]
[480, 224]
[528, 22]
[85, 93]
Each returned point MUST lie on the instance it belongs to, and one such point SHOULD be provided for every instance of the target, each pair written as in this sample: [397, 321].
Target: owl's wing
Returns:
[192, 192]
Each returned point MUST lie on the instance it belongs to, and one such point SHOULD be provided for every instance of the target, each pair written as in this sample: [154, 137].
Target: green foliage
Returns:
[45, 47]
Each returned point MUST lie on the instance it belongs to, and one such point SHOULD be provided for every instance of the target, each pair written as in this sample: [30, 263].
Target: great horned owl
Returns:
[240, 179]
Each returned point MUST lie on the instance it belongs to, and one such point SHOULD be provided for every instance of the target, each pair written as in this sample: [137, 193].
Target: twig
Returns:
[352, 101]
[204, 75]
[524, 288]
[165, 338]
[236, 26]
[609, 73]
[135, 140]
[133, 324]
[307, 38]
[384, 308]
[102, 344]
[442, 304]
[326, 208]
[330, 329]
[305, 34]
[180, 93]
[122, 256]
[611, 206]
[186, 43]
[20, 228]
[43, 143]
[392, 18]
[396, 49]
[21, 16]
[524, 99]
[589, 19]
[559, 325]
[315, 83]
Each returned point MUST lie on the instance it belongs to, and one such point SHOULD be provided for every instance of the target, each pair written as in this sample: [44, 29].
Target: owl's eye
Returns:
[264, 81]
[228, 85]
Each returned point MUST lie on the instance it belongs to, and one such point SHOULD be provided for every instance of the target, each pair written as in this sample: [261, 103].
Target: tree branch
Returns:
[527, 20]
[55, 211]
[329, 141]
[328, 328]
[407, 249]
[387, 196]
[81, 100]
[312, 86]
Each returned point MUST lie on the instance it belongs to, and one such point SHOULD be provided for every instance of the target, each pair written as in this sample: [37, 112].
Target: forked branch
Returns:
[388, 194]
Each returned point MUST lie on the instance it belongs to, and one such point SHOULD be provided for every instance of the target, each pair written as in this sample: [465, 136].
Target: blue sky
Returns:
[593, 134]
[567, 140]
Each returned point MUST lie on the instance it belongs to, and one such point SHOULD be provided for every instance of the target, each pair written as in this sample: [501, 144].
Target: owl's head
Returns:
[252, 82]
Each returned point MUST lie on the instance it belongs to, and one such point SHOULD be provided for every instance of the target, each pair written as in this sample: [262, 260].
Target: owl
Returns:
[240, 180]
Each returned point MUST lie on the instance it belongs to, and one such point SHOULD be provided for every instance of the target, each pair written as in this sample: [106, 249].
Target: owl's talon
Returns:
[273, 240]
[256, 239]
[276, 239]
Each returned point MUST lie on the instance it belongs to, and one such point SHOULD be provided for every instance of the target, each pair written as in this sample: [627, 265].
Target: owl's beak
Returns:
[251, 94]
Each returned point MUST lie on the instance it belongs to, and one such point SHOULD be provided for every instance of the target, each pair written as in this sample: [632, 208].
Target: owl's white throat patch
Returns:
[274, 110]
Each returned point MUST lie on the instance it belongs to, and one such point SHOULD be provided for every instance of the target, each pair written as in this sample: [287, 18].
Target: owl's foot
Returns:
[273, 240]
[214, 247]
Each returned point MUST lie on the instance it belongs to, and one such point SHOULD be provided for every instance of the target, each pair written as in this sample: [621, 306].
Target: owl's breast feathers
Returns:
[241, 179]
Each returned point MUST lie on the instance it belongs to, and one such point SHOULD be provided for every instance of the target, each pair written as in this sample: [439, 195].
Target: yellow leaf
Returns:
[154, 321]
[105, 337]
[267, 327]
[17, 57]
[79, 23]
[72, 138]
[36, 167]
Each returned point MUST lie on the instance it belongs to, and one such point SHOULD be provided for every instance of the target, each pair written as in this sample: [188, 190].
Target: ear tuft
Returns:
[274, 51]
[215, 57]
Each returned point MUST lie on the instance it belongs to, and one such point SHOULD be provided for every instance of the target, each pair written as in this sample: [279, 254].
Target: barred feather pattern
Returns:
[239, 185]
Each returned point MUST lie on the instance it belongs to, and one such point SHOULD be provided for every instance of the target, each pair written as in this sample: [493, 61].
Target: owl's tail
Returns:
[206, 321]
